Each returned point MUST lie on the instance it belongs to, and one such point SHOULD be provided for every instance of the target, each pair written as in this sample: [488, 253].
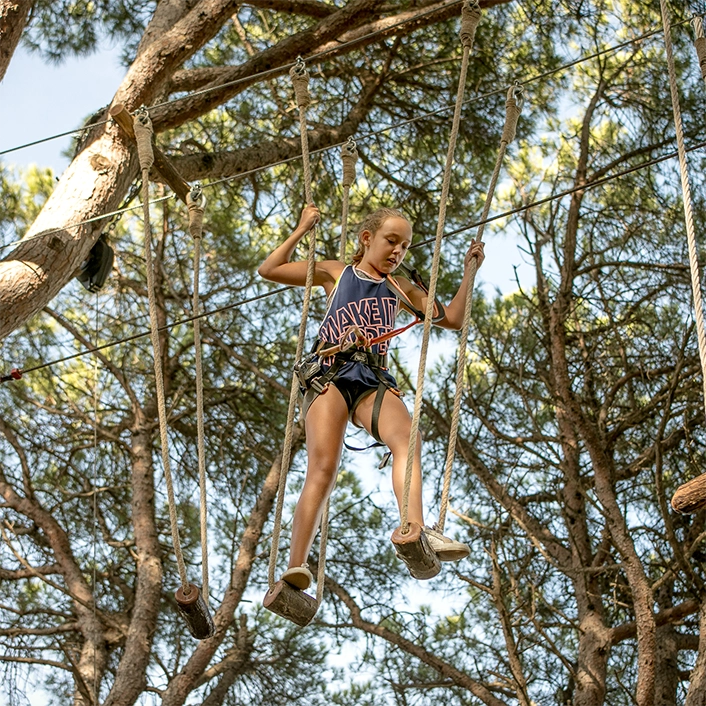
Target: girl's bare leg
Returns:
[394, 426]
[325, 427]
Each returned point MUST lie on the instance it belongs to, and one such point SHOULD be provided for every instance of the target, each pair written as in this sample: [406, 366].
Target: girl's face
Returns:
[385, 249]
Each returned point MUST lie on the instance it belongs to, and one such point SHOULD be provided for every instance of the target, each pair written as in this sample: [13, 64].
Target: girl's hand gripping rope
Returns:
[476, 250]
[309, 218]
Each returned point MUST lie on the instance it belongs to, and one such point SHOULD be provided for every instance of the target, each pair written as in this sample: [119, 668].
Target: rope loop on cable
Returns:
[694, 267]
[470, 17]
[433, 277]
[300, 78]
[300, 82]
[142, 125]
[196, 203]
[349, 157]
[143, 136]
[513, 108]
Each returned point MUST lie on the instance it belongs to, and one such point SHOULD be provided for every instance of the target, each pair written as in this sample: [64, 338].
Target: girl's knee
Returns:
[398, 443]
[321, 476]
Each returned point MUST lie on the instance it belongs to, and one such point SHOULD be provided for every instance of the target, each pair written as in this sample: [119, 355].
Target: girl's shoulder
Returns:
[328, 272]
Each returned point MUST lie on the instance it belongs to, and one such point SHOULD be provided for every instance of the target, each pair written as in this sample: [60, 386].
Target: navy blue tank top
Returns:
[358, 299]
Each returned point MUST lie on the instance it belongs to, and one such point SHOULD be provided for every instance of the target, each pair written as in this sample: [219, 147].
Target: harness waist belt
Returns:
[374, 360]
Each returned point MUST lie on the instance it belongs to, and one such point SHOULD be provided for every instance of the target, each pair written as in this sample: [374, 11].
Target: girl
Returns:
[353, 383]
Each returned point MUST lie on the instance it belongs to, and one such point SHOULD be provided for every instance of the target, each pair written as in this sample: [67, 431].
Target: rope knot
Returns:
[300, 82]
[349, 157]
[196, 201]
[513, 108]
[142, 125]
[470, 17]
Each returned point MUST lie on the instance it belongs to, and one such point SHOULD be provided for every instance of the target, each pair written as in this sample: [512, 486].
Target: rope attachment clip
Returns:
[349, 157]
[699, 42]
[300, 83]
[142, 125]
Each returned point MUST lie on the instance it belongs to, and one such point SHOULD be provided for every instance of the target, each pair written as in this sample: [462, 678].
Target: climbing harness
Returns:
[189, 598]
[315, 378]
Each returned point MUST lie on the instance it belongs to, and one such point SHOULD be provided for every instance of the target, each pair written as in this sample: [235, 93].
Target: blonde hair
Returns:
[372, 223]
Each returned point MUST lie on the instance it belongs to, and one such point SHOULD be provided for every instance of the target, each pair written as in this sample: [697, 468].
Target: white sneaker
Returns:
[299, 577]
[446, 549]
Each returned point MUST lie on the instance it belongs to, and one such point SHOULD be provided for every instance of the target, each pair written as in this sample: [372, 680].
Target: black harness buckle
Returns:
[307, 369]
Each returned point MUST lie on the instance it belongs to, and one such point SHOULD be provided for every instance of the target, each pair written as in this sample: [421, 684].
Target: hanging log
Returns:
[415, 551]
[690, 497]
[195, 612]
[291, 603]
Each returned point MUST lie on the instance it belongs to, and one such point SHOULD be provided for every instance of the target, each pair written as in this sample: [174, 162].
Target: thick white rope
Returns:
[143, 135]
[686, 196]
[300, 80]
[513, 105]
[469, 21]
[196, 202]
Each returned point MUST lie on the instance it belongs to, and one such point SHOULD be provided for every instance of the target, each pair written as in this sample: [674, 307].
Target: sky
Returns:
[38, 100]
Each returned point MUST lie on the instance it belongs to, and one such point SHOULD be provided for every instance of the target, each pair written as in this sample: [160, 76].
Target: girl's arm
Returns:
[454, 311]
[453, 318]
[278, 268]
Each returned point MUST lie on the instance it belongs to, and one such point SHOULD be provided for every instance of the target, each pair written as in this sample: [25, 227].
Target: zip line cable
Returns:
[282, 69]
[369, 135]
[17, 373]
[259, 75]
[365, 136]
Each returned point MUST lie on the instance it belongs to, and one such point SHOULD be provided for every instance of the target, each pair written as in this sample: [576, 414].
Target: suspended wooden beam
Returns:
[162, 165]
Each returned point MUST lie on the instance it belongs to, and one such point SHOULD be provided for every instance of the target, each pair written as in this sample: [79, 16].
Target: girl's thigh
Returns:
[325, 426]
[394, 422]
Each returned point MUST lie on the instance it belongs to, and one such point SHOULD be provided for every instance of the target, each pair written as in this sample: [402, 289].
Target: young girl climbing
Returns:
[353, 383]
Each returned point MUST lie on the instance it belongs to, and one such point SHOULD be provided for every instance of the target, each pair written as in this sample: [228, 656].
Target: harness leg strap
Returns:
[377, 404]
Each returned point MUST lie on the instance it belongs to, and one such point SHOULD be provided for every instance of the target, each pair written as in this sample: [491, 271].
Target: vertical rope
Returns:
[300, 82]
[469, 21]
[513, 106]
[143, 135]
[196, 201]
[95, 499]
[349, 156]
[686, 196]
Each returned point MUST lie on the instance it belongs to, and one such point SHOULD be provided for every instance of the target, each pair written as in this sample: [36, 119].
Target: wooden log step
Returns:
[194, 610]
[291, 603]
[690, 497]
[414, 550]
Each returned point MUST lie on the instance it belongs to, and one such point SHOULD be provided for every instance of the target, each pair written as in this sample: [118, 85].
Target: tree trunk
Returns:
[13, 18]
[131, 675]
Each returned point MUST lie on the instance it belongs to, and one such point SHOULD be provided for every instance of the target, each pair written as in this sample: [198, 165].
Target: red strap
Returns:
[15, 374]
[391, 334]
